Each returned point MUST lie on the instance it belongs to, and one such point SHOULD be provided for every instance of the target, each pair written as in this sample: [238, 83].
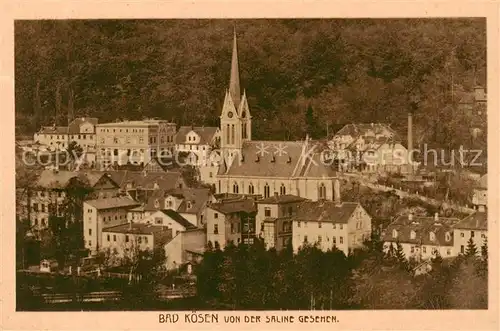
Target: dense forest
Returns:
[300, 75]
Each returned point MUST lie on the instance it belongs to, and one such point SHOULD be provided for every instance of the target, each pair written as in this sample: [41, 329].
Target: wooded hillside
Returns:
[343, 71]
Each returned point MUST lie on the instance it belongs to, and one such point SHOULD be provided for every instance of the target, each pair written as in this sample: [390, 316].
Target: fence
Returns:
[78, 297]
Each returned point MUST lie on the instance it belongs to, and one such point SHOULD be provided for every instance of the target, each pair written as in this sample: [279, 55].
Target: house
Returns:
[421, 238]
[103, 213]
[186, 247]
[473, 227]
[82, 131]
[480, 194]
[231, 221]
[170, 219]
[145, 180]
[127, 239]
[51, 189]
[54, 137]
[135, 142]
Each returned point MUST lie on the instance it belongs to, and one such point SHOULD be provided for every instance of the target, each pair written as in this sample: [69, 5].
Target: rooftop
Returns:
[278, 199]
[53, 130]
[206, 134]
[476, 221]
[144, 123]
[178, 218]
[325, 211]
[115, 202]
[234, 206]
[138, 228]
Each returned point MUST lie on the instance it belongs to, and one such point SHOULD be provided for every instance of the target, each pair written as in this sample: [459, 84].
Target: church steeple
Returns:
[234, 81]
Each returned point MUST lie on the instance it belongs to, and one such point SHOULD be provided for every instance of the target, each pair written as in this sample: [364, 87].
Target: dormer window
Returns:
[413, 234]
[432, 236]
[189, 205]
[157, 203]
[394, 233]
[447, 236]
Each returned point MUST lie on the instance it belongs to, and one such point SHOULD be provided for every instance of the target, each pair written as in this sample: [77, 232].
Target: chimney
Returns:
[410, 138]
[410, 217]
[336, 192]
[436, 217]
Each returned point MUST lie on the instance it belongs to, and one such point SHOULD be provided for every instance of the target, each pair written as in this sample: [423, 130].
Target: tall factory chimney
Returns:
[410, 138]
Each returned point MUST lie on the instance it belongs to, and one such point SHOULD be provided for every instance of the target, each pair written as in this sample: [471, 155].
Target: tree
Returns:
[471, 250]
[401, 258]
[484, 249]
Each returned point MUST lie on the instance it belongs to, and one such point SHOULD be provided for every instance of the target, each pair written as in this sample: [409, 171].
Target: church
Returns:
[266, 168]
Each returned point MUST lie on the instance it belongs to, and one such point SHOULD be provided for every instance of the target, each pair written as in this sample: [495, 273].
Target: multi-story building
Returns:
[126, 240]
[135, 142]
[83, 132]
[103, 213]
[480, 194]
[421, 237]
[54, 137]
[327, 224]
[168, 218]
[231, 221]
[473, 227]
[186, 247]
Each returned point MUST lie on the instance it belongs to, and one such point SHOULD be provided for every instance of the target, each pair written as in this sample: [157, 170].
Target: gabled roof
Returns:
[178, 218]
[234, 206]
[53, 130]
[193, 199]
[146, 180]
[138, 228]
[362, 129]
[278, 199]
[476, 221]
[483, 182]
[206, 133]
[114, 202]
[287, 159]
[325, 211]
[422, 226]
[74, 126]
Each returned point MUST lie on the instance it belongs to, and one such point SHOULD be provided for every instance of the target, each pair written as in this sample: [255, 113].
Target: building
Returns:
[103, 213]
[186, 247]
[480, 194]
[474, 226]
[231, 221]
[170, 219]
[54, 137]
[265, 167]
[146, 181]
[421, 237]
[327, 224]
[135, 142]
[369, 147]
[473, 102]
[126, 240]
[51, 188]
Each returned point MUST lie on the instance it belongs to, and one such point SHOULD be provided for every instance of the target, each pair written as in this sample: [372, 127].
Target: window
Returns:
[394, 233]
[266, 191]
[424, 249]
[145, 240]
[235, 188]
[298, 224]
[447, 236]
[232, 227]
[109, 237]
[334, 226]
[341, 240]
[114, 237]
[216, 228]
[334, 239]
[290, 211]
[43, 208]
[158, 220]
[462, 249]
[267, 212]
[139, 239]
[319, 239]
[319, 225]
[322, 191]
[305, 239]
[462, 234]
[412, 249]
[341, 226]
[251, 189]
[90, 242]
[90, 232]
[413, 235]
[483, 236]
[216, 215]
[126, 238]
[472, 234]
[432, 236]
[210, 174]
[282, 189]
[448, 251]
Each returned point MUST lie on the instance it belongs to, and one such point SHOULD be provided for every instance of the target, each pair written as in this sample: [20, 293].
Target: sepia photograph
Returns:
[331, 164]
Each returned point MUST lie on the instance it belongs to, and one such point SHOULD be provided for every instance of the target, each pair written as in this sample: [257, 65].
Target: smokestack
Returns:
[410, 138]
[336, 192]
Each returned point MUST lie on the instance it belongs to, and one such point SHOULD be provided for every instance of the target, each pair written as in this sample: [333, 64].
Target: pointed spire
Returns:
[234, 82]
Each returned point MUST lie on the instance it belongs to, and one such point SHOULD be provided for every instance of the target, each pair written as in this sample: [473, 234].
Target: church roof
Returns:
[279, 159]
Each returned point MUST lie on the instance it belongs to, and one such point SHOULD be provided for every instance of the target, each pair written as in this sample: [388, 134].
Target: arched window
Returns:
[394, 233]
[244, 131]
[322, 191]
[232, 133]
[282, 189]
[227, 135]
[235, 188]
[266, 191]
[413, 234]
[447, 236]
[432, 236]
[251, 189]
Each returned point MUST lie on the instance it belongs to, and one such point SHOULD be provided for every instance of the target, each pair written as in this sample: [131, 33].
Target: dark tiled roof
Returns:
[235, 206]
[363, 129]
[422, 226]
[206, 134]
[61, 178]
[476, 221]
[325, 211]
[138, 228]
[53, 130]
[277, 199]
[146, 180]
[263, 159]
[74, 126]
[483, 182]
[178, 218]
[115, 202]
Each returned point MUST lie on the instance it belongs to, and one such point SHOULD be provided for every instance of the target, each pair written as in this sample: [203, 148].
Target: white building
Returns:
[473, 227]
